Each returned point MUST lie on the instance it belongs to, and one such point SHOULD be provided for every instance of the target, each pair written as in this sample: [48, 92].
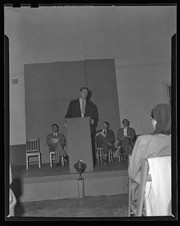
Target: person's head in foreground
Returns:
[161, 119]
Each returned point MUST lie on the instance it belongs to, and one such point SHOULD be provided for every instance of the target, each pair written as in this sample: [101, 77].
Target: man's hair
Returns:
[54, 124]
[84, 88]
[106, 122]
[125, 120]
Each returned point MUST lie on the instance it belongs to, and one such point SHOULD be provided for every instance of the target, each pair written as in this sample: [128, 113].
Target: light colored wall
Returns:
[137, 37]
[140, 88]
[17, 110]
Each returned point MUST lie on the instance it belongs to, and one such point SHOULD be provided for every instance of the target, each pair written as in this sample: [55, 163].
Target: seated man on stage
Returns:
[126, 138]
[56, 142]
[105, 139]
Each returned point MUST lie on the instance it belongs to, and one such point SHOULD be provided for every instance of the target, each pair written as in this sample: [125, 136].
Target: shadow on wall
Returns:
[16, 187]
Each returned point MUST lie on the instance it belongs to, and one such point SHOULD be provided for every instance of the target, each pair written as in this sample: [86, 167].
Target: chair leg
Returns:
[100, 153]
[109, 155]
[97, 156]
[39, 157]
[62, 160]
[27, 162]
[112, 157]
[50, 157]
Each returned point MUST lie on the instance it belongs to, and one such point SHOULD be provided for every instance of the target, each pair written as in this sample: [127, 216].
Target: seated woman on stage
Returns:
[148, 146]
[56, 142]
[105, 139]
[126, 137]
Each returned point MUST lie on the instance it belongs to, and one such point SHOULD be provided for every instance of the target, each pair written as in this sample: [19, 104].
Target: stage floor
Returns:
[46, 170]
[48, 183]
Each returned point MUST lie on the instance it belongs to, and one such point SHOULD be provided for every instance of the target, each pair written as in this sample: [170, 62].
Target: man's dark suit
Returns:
[126, 142]
[74, 111]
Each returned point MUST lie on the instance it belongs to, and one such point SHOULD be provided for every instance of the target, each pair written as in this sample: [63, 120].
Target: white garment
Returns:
[105, 131]
[125, 131]
[158, 191]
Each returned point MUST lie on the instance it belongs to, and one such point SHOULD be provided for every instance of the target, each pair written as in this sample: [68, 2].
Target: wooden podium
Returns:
[79, 142]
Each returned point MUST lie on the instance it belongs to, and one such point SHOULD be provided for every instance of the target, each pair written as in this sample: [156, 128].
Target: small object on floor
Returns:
[57, 164]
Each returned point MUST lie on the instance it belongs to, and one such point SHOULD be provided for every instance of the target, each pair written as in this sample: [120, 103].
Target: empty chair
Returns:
[33, 150]
[52, 158]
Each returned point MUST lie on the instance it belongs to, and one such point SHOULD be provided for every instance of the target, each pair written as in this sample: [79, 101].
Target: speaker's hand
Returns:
[92, 121]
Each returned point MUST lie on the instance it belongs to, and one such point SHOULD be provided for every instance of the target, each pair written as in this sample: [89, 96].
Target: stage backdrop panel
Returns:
[49, 87]
[101, 79]
[48, 91]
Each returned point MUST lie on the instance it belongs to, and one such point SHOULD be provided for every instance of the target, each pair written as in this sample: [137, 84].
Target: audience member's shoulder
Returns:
[162, 137]
[156, 138]
[144, 139]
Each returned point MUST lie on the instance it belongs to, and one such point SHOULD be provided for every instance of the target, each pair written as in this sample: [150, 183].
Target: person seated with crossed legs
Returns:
[105, 139]
[126, 137]
[56, 142]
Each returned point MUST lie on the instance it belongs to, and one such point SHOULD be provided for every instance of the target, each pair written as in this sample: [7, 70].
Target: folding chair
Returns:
[33, 150]
[52, 158]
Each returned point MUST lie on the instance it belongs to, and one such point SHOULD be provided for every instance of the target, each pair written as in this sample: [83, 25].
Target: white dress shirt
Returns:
[81, 106]
[125, 131]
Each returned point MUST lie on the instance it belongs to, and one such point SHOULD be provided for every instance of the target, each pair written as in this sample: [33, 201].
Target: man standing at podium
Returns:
[83, 107]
